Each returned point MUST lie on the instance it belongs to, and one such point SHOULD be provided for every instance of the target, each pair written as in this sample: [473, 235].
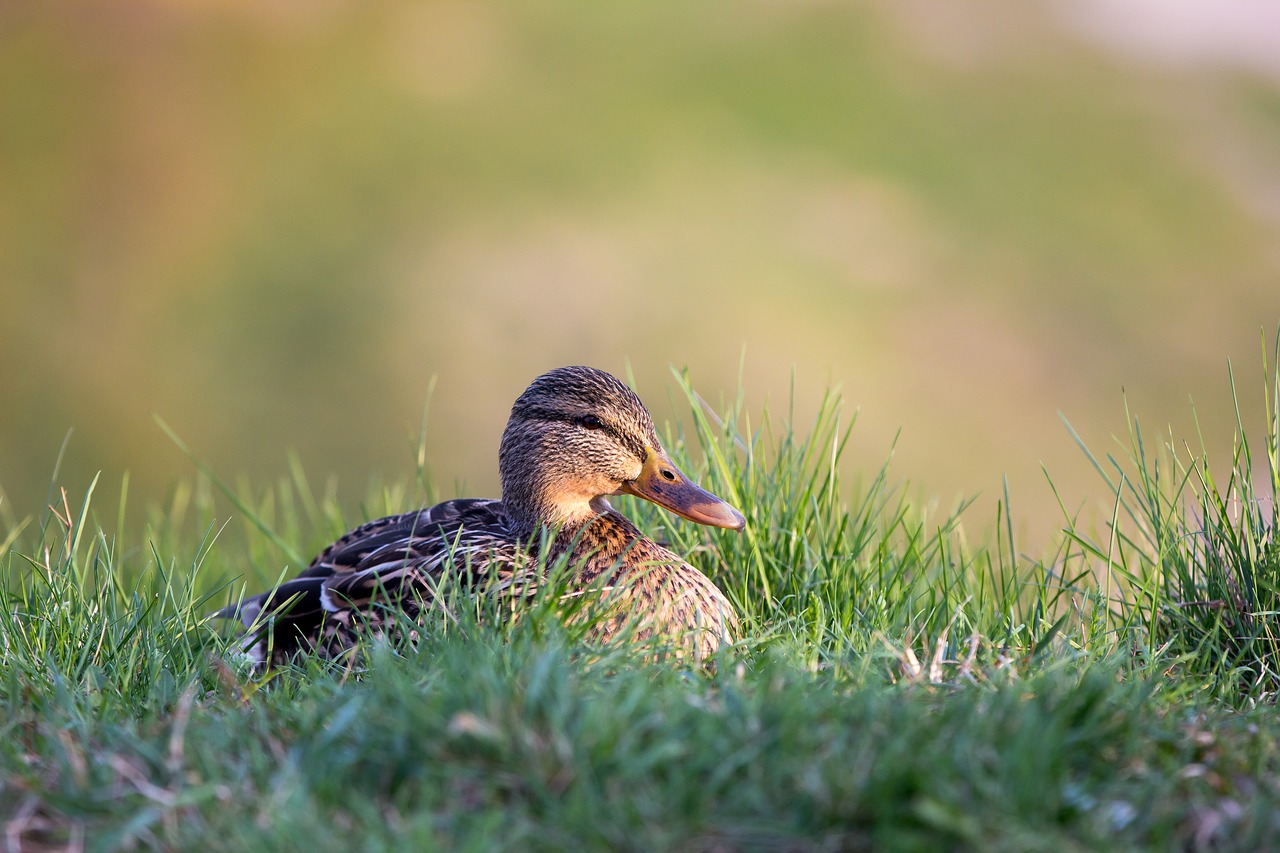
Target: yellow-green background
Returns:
[273, 222]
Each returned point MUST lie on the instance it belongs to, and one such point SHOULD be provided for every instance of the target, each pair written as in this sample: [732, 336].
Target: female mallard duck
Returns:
[575, 436]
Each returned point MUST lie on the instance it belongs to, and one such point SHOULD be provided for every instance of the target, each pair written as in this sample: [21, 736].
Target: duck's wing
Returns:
[412, 534]
[407, 555]
[388, 559]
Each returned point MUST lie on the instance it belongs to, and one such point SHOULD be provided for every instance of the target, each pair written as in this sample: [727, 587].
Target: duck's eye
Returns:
[590, 422]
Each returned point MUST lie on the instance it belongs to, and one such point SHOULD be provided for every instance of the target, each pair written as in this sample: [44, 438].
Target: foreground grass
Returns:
[898, 686]
[520, 745]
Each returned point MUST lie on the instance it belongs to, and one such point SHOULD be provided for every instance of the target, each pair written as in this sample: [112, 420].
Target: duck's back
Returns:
[424, 538]
[391, 561]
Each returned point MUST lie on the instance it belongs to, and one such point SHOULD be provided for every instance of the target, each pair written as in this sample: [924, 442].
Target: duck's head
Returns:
[576, 435]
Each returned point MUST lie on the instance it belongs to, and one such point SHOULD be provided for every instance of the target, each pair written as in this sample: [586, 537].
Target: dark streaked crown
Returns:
[577, 394]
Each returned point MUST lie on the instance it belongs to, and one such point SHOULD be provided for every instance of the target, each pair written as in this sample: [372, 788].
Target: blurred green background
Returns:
[273, 222]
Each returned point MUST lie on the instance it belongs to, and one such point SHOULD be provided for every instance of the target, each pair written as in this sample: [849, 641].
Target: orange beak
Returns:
[662, 483]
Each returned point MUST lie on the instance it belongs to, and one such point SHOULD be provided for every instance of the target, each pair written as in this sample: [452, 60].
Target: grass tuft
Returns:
[1194, 557]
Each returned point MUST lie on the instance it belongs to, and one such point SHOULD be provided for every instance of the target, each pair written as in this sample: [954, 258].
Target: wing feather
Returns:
[394, 559]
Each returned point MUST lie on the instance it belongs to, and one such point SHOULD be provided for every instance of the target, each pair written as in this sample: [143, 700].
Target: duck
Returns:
[576, 436]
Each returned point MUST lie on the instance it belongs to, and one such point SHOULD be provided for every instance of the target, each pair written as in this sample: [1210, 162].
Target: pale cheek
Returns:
[606, 486]
[572, 490]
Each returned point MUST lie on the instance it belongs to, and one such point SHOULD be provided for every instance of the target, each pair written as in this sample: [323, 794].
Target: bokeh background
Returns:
[272, 222]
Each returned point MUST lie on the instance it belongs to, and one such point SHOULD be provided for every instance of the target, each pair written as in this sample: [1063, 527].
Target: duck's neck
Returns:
[540, 490]
[530, 516]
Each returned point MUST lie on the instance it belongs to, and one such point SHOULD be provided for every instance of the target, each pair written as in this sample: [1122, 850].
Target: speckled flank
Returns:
[575, 435]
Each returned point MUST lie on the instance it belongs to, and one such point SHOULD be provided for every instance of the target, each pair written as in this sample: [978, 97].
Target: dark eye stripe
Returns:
[536, 414]
[540, 414]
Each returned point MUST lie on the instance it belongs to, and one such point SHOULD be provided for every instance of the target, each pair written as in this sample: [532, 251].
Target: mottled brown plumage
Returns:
[575, 435]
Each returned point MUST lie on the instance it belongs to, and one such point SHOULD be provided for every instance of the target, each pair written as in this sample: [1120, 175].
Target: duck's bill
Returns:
[665, 485]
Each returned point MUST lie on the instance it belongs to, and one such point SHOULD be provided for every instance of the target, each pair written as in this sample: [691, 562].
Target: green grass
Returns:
[1196, 555]
[901, 684]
